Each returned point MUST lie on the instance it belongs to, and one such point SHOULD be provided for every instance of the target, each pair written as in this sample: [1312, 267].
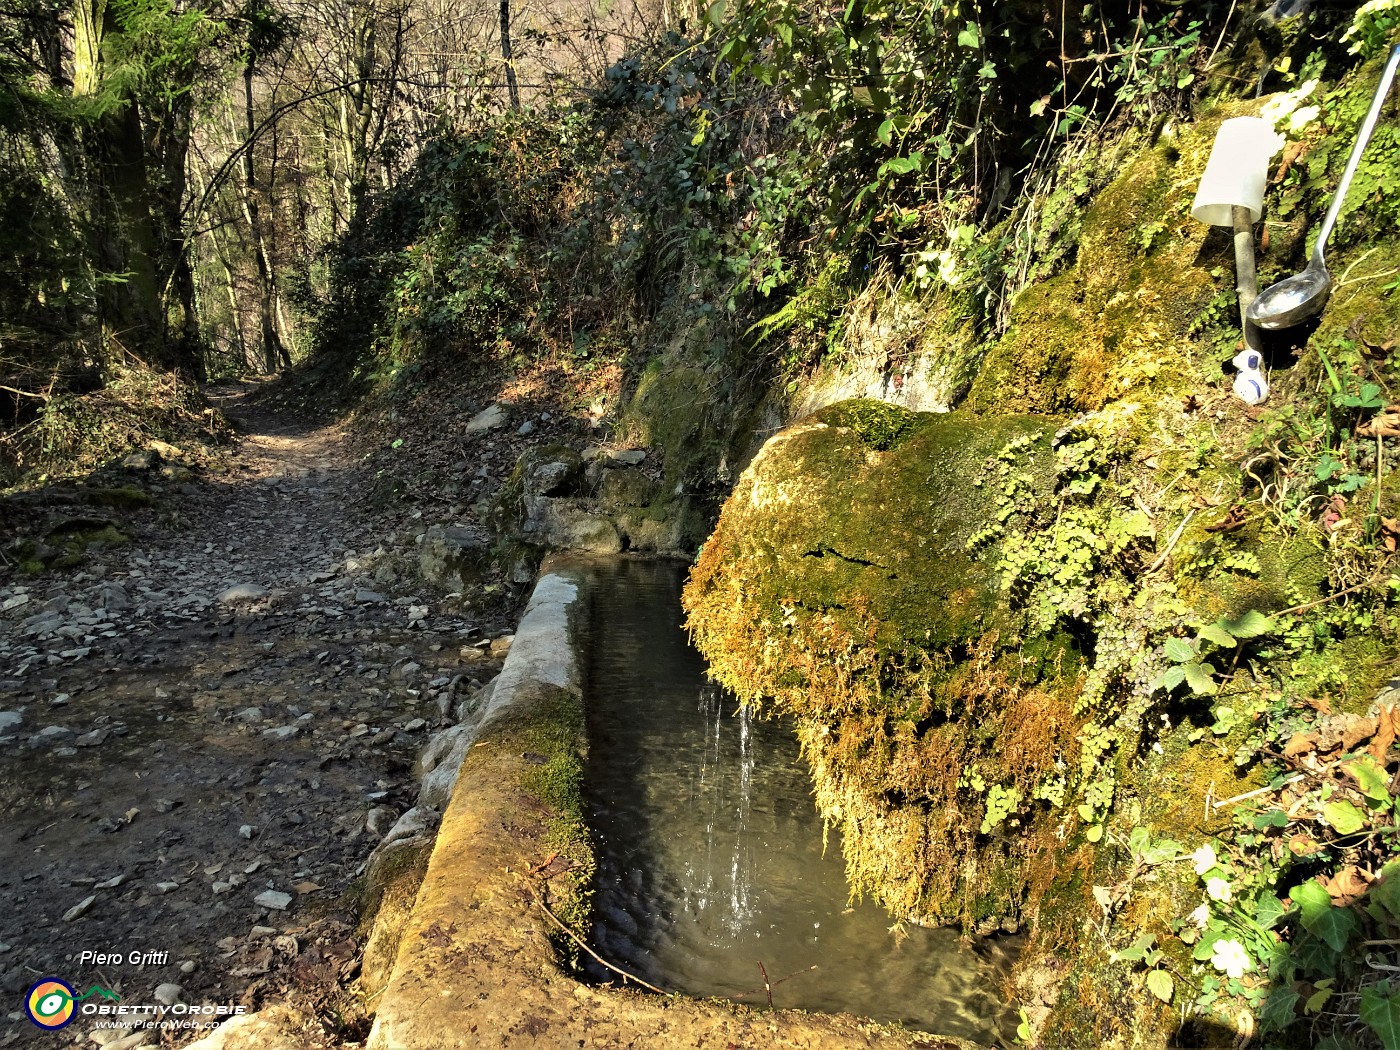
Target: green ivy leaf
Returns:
[1373, 781]
[1345, 818]
[1268, 911]
[1320, 918]
[1138, 840]
[1280, 1009]
[1159, 983]
[1380, 1009]
[1199, 679]
[1162, 850]
[1386, 890]
[969, 37]
[1179, 650]
[1251, 625]
[1217, 634]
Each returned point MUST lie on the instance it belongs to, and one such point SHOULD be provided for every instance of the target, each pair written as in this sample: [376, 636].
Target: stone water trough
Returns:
[472, 959]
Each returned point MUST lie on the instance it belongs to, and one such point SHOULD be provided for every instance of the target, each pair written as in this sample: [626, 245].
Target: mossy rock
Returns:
[1278, 574]
[385, 897]
[838, 587]
[127, 497]
[626, 487]
[667, 410]
[1119, 322]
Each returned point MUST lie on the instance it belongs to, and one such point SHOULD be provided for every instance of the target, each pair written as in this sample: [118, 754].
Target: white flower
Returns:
[1204, 859]
[1200, 916]
[1231, 959]
[1218, 889]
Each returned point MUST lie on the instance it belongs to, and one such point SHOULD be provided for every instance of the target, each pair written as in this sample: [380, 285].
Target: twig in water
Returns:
[780, 980]
[598, 958]
[766, 986]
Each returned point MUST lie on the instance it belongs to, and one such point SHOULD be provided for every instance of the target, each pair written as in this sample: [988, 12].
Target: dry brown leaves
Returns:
[1385, 423]
[1346, 732]
[1347, 884]
[1232, 520]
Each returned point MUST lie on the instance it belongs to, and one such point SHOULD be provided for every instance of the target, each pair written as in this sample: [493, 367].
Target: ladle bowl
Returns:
[1296, 298]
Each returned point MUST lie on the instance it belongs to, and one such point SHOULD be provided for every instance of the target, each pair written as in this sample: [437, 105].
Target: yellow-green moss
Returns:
[548, 731]
[839, 587]
[1118, 322]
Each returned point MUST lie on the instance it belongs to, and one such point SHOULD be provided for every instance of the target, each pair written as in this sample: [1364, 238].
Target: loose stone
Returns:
[80, 909]
[274, 900]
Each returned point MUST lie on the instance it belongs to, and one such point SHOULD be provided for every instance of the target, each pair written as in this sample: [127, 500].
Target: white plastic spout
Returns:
[1237, 171]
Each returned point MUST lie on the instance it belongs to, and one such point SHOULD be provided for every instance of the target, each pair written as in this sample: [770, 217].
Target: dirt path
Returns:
[228, 704]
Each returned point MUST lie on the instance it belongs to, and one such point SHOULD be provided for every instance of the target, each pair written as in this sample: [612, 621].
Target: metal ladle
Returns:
[1299, 297]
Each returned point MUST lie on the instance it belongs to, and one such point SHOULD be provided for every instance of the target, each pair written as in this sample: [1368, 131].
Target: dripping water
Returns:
[710, 855]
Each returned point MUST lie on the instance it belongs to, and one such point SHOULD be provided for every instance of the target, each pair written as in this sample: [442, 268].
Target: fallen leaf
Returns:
[1300, 744]
[1348, 884]
[1385, 423]
[1344, 731]
[1377, 349]
[1356, 732]
[1104, 897]
[1233, 520]
[1303, 845]
[1385, 733]
[307, 887]
[1320, 704]
[1390, 533]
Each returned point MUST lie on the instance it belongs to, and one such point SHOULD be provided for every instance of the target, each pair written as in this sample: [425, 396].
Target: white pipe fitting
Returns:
[1237, 171]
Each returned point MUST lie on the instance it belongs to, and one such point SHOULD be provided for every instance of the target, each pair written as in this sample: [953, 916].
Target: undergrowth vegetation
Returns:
[1201, 799]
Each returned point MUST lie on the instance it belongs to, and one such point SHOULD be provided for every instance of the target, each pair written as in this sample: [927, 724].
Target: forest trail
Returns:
[204, 731]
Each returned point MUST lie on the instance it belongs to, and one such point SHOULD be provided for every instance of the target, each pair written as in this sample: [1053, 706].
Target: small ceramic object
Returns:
[1251, 385]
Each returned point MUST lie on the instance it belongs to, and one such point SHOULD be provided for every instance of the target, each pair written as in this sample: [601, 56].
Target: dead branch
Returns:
[598, 958]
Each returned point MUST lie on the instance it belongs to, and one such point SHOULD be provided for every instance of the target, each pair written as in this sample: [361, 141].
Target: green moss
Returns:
[839, 587]
[881, 426]
[626, 487]
[550, 727]
[1290, 571]
[1118, 322]
[125, 496]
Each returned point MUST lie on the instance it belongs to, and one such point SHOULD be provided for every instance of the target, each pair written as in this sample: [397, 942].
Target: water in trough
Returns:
[712, 875]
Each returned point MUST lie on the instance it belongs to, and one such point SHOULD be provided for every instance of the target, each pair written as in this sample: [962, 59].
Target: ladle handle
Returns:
[1354, 161]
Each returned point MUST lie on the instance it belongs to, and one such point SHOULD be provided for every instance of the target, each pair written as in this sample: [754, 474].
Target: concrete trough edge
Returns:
[476, 966]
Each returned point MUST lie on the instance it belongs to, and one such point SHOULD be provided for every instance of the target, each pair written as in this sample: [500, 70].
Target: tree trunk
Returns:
[270, 348]
[125, 240]
[512, 85]
[357, 109]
